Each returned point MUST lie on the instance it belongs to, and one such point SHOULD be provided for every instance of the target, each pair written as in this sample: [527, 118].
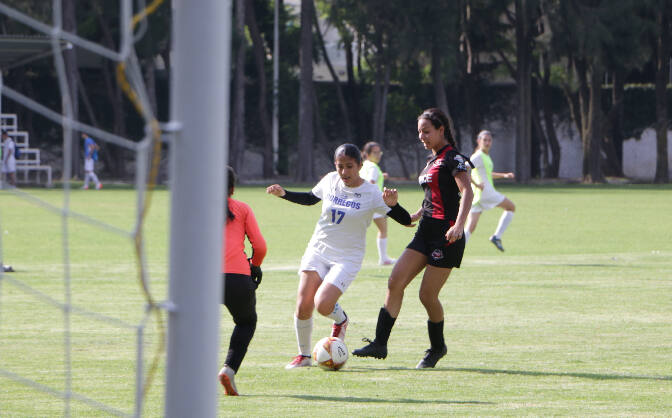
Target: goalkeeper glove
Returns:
[255, 274]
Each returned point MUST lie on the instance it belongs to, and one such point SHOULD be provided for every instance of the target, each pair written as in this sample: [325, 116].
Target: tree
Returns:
[238, 137]
[304, 170]
[662, 60]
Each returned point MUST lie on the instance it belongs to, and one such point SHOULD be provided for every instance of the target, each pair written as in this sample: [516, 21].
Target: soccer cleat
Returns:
[497, 243]
[432, 356]
[99, 186]
[85, 187]
[338, 330]
[373, 349]
[300, 361]
[7, 268]
[226, 379]
[387, 262]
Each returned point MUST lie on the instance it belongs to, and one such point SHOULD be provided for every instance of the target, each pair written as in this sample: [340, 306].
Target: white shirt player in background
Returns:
[371, 172]
[485, 195]
[335, 252]
[8, 160]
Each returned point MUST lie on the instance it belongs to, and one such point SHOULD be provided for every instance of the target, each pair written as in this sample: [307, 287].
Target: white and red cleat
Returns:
[300, 361]
[338, 330]
[226, 379]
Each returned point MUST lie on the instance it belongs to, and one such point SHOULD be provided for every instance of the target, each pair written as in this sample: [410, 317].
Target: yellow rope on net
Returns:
[151, 183]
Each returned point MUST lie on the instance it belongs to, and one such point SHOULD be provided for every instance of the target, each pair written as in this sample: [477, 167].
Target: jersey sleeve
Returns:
[323, 186]
[254, 236]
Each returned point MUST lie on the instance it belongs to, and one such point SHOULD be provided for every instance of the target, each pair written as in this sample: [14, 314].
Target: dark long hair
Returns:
[349, 150]
[231, 186]
[439, 119]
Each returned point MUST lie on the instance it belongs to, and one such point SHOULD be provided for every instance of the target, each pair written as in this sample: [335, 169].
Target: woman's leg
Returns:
[504, 221]
[432, 282]
[407, 267]
[240, 300]
[472, 221]
[381, 241]
[309, 282]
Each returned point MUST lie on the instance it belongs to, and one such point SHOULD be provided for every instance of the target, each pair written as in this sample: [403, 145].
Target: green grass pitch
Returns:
[574, 319]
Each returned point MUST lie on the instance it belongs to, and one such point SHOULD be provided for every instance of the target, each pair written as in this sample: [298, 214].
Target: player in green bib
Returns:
[485, 195]
[371, 172]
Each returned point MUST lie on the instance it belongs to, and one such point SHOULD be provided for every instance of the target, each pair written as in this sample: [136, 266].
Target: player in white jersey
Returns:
[335, 252]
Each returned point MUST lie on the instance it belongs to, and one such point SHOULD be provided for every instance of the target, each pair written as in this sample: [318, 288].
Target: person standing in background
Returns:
[485, 195]
[90, 157]
[371, 172]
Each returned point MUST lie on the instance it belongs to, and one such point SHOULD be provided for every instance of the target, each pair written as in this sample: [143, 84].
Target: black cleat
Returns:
[497, 242]
[432, 356]
[373, 349]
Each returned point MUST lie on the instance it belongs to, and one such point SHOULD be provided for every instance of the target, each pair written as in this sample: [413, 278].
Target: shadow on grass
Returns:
[355, 399]
[595, 376]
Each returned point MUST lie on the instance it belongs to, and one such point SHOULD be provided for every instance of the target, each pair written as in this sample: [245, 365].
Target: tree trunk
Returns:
[304, 168]
[553, 143]
[538, 160]
[353, 88]
[662, 73]
[524, 117]
[584, 109]
[440, 89]
[72, 69]
[594, 128]
[380, 101]
[237, 141]
[259, 49]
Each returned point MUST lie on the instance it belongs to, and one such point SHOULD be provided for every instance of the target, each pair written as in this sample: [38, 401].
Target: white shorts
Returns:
[9, 166]
[340, 274]
[489, 199]
[88, 164]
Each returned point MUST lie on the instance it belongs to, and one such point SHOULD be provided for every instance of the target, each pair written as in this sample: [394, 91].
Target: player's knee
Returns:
[427, 298]
[304, 309]
[249, 320]
[325, 308]
[395, 285]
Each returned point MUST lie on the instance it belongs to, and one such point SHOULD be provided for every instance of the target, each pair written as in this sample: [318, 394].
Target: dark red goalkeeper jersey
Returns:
[442, 196]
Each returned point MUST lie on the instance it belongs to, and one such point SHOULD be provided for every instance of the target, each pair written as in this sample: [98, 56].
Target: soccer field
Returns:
[573, 319]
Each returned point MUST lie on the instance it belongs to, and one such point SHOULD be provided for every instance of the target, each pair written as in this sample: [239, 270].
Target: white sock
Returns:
[86, 179]
[338, 315]
[504, 222]
[467, 234]
[304, 334]
[94, 177]
[382, 249]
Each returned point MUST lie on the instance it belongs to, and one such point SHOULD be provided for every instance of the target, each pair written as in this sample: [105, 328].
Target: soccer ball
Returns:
[330, 353]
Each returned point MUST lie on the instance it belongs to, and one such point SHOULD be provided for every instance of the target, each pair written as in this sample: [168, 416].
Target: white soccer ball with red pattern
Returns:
[330, 353]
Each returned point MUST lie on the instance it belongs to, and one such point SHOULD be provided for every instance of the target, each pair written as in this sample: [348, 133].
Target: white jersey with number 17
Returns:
[346, 214]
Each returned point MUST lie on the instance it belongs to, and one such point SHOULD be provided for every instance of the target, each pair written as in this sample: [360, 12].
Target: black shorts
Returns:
[430, 240]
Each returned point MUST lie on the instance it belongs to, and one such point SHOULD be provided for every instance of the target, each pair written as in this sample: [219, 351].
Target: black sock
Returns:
[384, 326]
[435, 330]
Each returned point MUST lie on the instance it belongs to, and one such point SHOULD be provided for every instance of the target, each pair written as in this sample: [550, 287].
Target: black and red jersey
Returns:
[442, 196]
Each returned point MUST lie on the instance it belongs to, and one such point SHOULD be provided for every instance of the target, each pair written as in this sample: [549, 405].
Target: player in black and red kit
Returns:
[438, 244]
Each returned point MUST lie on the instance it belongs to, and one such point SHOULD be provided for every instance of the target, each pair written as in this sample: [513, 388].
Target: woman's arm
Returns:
[455, 232]
[503, 175]
[302, 198]
[257, 240]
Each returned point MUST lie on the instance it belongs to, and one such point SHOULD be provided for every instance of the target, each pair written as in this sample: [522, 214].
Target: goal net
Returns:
[101, 322]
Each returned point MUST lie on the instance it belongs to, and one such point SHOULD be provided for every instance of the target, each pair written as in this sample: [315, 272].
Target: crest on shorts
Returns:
[437, 254]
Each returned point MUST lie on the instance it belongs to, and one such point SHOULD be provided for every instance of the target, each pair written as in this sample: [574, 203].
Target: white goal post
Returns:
[200, 105]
